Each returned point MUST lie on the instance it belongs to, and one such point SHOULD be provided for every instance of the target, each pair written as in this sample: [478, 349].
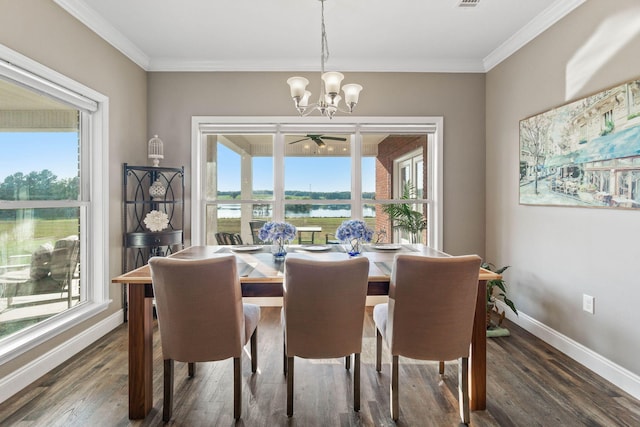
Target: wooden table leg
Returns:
[140, 352]
[478, 357]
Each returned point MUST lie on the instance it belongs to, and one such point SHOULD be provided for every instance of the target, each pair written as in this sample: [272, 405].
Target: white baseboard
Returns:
[27, 374]
[616, 374]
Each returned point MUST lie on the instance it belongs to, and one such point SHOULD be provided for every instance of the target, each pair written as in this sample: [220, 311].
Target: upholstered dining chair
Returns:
[323, 314]
[429, 316]
[201, 318]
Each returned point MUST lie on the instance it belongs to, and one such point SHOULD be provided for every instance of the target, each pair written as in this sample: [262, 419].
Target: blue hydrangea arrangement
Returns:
[353, 232]
[354, 229]
[277, 232]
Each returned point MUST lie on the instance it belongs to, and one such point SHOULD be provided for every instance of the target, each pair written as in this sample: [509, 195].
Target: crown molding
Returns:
[533, 29]
[97, 24]
[429, 65]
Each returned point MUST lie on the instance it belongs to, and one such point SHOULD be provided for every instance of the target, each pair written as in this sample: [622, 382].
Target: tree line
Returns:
[43, 185]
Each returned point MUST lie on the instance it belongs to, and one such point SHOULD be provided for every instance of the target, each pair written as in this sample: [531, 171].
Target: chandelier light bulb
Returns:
[298, 86]
[332, 81]
[351, 94]
[304, 101]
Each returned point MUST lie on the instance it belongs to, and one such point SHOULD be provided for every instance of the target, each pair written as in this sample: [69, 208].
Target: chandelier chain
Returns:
[325, 44]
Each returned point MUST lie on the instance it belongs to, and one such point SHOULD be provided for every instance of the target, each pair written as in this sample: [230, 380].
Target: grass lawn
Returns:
[24, 237]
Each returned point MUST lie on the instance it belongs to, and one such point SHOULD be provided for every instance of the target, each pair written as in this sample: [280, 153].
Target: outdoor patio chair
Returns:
[256, 225]
[51, 270]
[228, 238]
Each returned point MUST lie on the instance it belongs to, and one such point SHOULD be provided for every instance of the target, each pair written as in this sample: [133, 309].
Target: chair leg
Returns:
[284, 356]
[463, 389]
[237, 388]
[192, 369]
[378, 350]
[167, 407]
[254, 351]
[356, 382]
[347, 362]
[441, 368]
[394, 388]
[289, 386]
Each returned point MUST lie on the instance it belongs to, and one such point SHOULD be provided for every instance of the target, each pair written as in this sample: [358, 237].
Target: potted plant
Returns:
[404, 217]
[496, 290]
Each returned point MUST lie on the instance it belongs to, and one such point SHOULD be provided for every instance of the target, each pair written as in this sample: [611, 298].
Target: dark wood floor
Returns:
[529, 384]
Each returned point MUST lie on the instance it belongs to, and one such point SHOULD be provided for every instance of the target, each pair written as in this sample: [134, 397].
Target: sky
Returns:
[34, 151]
[301, 173]
[58, 151]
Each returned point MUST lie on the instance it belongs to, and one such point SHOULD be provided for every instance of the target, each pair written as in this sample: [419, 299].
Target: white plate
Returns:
[245, 248]
[316, 248]
[387, 247]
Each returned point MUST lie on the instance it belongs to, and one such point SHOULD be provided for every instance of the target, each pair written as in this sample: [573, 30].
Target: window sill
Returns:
[21, 342]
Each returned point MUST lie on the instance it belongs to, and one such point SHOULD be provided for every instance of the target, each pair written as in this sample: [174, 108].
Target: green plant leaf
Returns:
[404, 217]
[500, 284]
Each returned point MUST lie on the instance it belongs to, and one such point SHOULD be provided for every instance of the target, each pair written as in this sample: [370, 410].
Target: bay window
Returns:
[315, 175]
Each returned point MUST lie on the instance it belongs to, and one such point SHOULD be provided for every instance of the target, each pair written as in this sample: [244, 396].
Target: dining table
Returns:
[262, 276]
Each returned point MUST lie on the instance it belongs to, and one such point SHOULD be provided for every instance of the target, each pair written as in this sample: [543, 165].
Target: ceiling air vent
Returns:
[468, 3]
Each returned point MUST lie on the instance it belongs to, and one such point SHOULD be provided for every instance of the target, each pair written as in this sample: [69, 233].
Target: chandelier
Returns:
[329, 100]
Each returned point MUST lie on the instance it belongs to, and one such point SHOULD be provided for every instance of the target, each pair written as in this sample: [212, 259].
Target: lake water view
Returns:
[297, 211]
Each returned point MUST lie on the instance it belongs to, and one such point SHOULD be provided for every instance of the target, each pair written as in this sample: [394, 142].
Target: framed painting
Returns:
[584, 153]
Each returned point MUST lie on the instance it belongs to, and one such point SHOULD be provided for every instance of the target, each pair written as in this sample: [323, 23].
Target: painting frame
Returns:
[584, 153]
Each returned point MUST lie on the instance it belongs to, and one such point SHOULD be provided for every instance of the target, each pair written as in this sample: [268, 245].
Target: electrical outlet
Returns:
[587, 303]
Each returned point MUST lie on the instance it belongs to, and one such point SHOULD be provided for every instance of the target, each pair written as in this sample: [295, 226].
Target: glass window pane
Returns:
[39, 246]
[402, 222]
[369, 177]
[39, 265]
[419, 179]
[39, 165]
[317, 167]
[239, 167]
[317, 223]
[240, 218]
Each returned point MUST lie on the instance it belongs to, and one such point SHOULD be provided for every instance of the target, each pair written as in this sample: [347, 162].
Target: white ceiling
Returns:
[284, 35]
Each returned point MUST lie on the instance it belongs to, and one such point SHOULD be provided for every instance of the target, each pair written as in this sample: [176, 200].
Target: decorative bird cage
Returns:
[156, 150]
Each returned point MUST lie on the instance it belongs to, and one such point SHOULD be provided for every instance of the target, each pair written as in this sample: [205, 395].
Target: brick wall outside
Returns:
[390, 149]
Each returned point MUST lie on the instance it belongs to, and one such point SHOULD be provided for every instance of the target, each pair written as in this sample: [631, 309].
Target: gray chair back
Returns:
[199, 306]
[432, 305]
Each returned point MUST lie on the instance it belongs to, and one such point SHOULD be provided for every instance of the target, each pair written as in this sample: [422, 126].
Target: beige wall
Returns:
[558, 254]
[42, 31]
[175, 97]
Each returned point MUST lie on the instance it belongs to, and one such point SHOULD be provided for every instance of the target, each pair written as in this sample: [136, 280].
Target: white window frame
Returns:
[410, 158]
[201, 126]
[94, 234]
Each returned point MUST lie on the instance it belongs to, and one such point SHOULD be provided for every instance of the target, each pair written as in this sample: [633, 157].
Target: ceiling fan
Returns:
[318, 139]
